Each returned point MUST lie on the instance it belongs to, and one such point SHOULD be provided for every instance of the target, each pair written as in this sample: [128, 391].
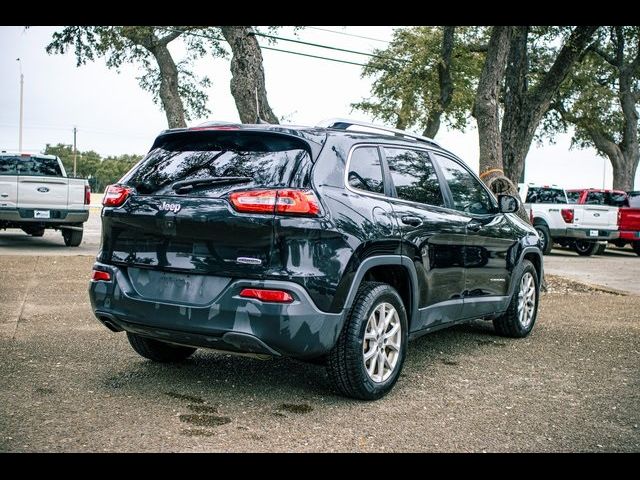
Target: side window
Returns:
[467, 192]
[365, 170]
[414, 176]
[8, 166]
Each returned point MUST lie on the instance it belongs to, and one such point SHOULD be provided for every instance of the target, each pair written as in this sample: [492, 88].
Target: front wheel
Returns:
[72, 238]
[518, 320]
[158, 351]
[585, 248]
[367, 359]
[546, 242]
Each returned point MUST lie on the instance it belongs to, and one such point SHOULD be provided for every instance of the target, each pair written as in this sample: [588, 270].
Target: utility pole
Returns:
[21, 103]
[74, 150]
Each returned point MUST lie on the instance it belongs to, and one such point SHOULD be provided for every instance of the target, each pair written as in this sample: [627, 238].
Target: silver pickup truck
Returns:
[584, 228]
[35, 194]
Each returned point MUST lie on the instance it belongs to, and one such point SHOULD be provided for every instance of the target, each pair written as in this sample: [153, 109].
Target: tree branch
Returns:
[170, 37]
[602, 54]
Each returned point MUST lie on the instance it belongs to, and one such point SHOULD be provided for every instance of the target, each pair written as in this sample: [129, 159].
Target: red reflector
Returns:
[115, 195]
[279, 296]
[286, 200]
[99, 275]
[87, 194]
[567, 214]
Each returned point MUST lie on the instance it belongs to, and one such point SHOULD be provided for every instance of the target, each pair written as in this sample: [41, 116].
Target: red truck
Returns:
[628, 211]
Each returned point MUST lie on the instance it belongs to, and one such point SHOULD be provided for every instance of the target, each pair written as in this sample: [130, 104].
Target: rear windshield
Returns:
[612, 199]
[239, 160]
[545, 195]
[573, 197]
[30, 166]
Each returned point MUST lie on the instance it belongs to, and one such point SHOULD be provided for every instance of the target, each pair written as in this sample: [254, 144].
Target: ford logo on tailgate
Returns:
[43, 189]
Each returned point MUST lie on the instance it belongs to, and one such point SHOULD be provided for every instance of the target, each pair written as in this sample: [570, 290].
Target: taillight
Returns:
[87, 195]
[99, 275]
[286, 200]
[278, 296]
[567, 214]
[531, 216]
[115, 195]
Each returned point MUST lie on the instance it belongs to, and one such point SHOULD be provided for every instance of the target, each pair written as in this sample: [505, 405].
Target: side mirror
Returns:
[508, 204]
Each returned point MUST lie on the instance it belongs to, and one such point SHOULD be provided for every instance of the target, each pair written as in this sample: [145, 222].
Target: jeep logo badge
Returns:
[43, 189]
[170, 207]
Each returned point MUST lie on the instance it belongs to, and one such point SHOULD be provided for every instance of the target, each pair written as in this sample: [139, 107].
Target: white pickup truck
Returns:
[584, 228]
[35, 193]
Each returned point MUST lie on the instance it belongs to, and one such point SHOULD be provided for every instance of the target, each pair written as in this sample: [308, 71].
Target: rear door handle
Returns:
[410, 220]
[474, 226]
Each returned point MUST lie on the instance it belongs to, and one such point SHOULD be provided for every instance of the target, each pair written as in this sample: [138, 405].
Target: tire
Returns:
[158, 351]
[601, 248]
[347, 365]
[585, 248]
[636, 247]
[545, 238]
[72, 238]
[512, 323]
[34, 232]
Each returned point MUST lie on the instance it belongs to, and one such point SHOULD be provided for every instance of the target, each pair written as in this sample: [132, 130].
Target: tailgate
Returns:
[42, 192]
[596, 216]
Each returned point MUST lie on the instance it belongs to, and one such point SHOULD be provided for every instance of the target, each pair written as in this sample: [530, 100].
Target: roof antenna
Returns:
[258, 119]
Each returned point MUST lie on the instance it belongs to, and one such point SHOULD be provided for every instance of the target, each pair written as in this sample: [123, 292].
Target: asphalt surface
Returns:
[68, 384]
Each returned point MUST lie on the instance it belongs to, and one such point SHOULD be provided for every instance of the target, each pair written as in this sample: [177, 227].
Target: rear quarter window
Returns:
[8, 166]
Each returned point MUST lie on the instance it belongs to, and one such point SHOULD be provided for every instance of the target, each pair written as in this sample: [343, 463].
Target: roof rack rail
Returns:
[343, 124]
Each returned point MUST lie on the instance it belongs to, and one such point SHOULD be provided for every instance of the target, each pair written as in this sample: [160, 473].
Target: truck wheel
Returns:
[72, 238]
[601, 248]
[546, 242]
[585, 248]
[521, 315]
[636, 247]
[158, 351]
[366, 361]
[34, 232]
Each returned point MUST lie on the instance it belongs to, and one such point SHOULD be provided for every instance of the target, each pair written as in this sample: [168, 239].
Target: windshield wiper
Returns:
[185, 186]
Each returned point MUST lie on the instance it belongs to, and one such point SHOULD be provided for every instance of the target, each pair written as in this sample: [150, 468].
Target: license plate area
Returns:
[42, 214]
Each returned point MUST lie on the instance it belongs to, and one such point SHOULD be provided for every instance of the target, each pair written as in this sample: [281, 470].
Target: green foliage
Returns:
[120, 45]
[406, 87]
[89, 164]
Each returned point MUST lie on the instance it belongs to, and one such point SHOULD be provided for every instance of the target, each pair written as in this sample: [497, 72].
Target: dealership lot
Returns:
[71, 385]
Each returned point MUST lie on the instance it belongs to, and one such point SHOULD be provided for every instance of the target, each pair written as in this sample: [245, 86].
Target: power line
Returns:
[187, 32]
[375, 55]
[349, 34]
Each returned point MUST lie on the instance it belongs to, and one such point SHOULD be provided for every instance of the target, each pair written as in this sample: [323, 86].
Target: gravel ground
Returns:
[68, 384]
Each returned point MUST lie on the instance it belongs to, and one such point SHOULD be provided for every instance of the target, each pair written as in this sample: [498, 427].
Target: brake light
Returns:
[277, 296]
[567, 214]
[287, 201]
[115, 195]
[101, 276]
[87, 195]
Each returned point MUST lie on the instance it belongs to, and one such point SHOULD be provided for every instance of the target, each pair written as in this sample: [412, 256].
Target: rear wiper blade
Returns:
[184, 186]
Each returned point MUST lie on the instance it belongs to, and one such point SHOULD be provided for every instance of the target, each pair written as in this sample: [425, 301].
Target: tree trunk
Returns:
[247, 75]
[485, 108]
[523, 108]
[169, 94]
[624, 171]
[445, 82]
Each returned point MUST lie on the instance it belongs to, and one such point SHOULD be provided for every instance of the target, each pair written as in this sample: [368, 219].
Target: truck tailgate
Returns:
[42, 192]
[596, 216]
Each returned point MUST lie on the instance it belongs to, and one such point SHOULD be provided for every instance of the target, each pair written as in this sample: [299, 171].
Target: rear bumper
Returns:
[584, 233]
[58, 217]
[630, 235]
[227, 322]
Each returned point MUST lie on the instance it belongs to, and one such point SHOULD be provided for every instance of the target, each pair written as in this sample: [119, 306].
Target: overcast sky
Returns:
[113, 115]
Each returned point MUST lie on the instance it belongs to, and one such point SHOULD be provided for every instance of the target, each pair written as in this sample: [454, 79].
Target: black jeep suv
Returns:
[325, 244]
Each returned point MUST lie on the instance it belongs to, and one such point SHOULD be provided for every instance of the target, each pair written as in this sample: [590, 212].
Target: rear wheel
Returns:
[367, 359]
[546, 242]
[601, 248]
[521, 315]
[585, 248]
[636, 247]
[72, 238]
[158, 351]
